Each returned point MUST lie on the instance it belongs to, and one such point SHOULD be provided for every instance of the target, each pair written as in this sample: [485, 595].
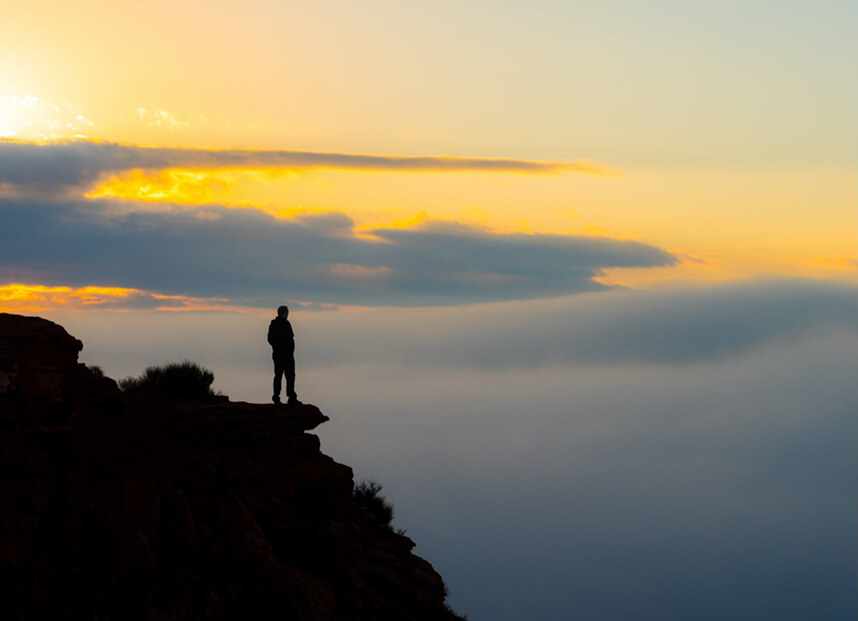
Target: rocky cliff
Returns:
[121, 506]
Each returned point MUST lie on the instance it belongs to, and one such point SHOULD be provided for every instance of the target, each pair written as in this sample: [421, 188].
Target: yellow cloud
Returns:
[23, 297]
[175, 186]
[230, 188]
[26, 297]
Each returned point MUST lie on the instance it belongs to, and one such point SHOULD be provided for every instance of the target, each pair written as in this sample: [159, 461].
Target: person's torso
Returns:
[282, 337]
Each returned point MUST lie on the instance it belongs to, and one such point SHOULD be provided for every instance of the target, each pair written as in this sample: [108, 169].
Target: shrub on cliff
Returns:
[186, 380]
[368, 498]
[96, 370]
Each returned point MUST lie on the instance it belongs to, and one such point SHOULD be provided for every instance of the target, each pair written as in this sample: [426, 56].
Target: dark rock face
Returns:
[139, 507]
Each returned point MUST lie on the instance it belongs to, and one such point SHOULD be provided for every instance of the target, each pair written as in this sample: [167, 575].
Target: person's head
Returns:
[283, 311]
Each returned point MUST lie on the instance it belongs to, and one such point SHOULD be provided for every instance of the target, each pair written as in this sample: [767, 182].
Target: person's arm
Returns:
[270, 334]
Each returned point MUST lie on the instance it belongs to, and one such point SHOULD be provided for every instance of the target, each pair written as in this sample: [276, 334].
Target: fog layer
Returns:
[664, 456]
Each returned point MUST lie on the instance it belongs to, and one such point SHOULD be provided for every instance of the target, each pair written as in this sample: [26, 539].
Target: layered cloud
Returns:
[252, 258]
[620, 327]
[207, 255]
[78, 164]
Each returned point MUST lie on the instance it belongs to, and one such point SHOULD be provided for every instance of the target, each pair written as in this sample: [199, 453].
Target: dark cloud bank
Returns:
[253, 258]
[78, 164]
[619, 327]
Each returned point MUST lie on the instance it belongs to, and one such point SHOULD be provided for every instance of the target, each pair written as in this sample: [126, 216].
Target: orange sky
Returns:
[717, 154]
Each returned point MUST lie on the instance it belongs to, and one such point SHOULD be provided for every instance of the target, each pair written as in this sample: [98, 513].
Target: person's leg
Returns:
[278, 374]
[289, 370]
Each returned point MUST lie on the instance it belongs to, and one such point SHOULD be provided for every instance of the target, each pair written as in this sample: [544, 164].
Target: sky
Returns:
[575, 281]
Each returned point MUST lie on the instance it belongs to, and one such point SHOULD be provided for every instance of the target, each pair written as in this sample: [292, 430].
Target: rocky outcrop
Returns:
[120, 506]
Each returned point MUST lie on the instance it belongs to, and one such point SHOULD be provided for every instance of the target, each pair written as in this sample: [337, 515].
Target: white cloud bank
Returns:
[700, 464]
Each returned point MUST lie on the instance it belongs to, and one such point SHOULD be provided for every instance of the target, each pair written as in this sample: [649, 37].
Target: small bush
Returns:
[186, 380]
[368, 498]
[96, 370]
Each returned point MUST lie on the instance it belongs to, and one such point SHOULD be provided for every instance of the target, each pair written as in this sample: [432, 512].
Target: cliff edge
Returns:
[135, 506]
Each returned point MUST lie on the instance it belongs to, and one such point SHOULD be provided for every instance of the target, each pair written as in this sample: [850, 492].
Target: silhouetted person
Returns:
[282, 341]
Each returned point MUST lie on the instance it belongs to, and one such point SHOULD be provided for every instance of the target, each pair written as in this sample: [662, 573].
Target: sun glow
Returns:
[27, 117]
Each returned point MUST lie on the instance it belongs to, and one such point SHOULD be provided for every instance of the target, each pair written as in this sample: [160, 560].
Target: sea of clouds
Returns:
[664, 455]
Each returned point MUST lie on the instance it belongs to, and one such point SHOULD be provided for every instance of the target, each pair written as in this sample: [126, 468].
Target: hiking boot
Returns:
[294, 401]
[276, 400]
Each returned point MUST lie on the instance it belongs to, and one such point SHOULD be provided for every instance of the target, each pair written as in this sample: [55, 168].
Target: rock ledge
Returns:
[119, 506]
